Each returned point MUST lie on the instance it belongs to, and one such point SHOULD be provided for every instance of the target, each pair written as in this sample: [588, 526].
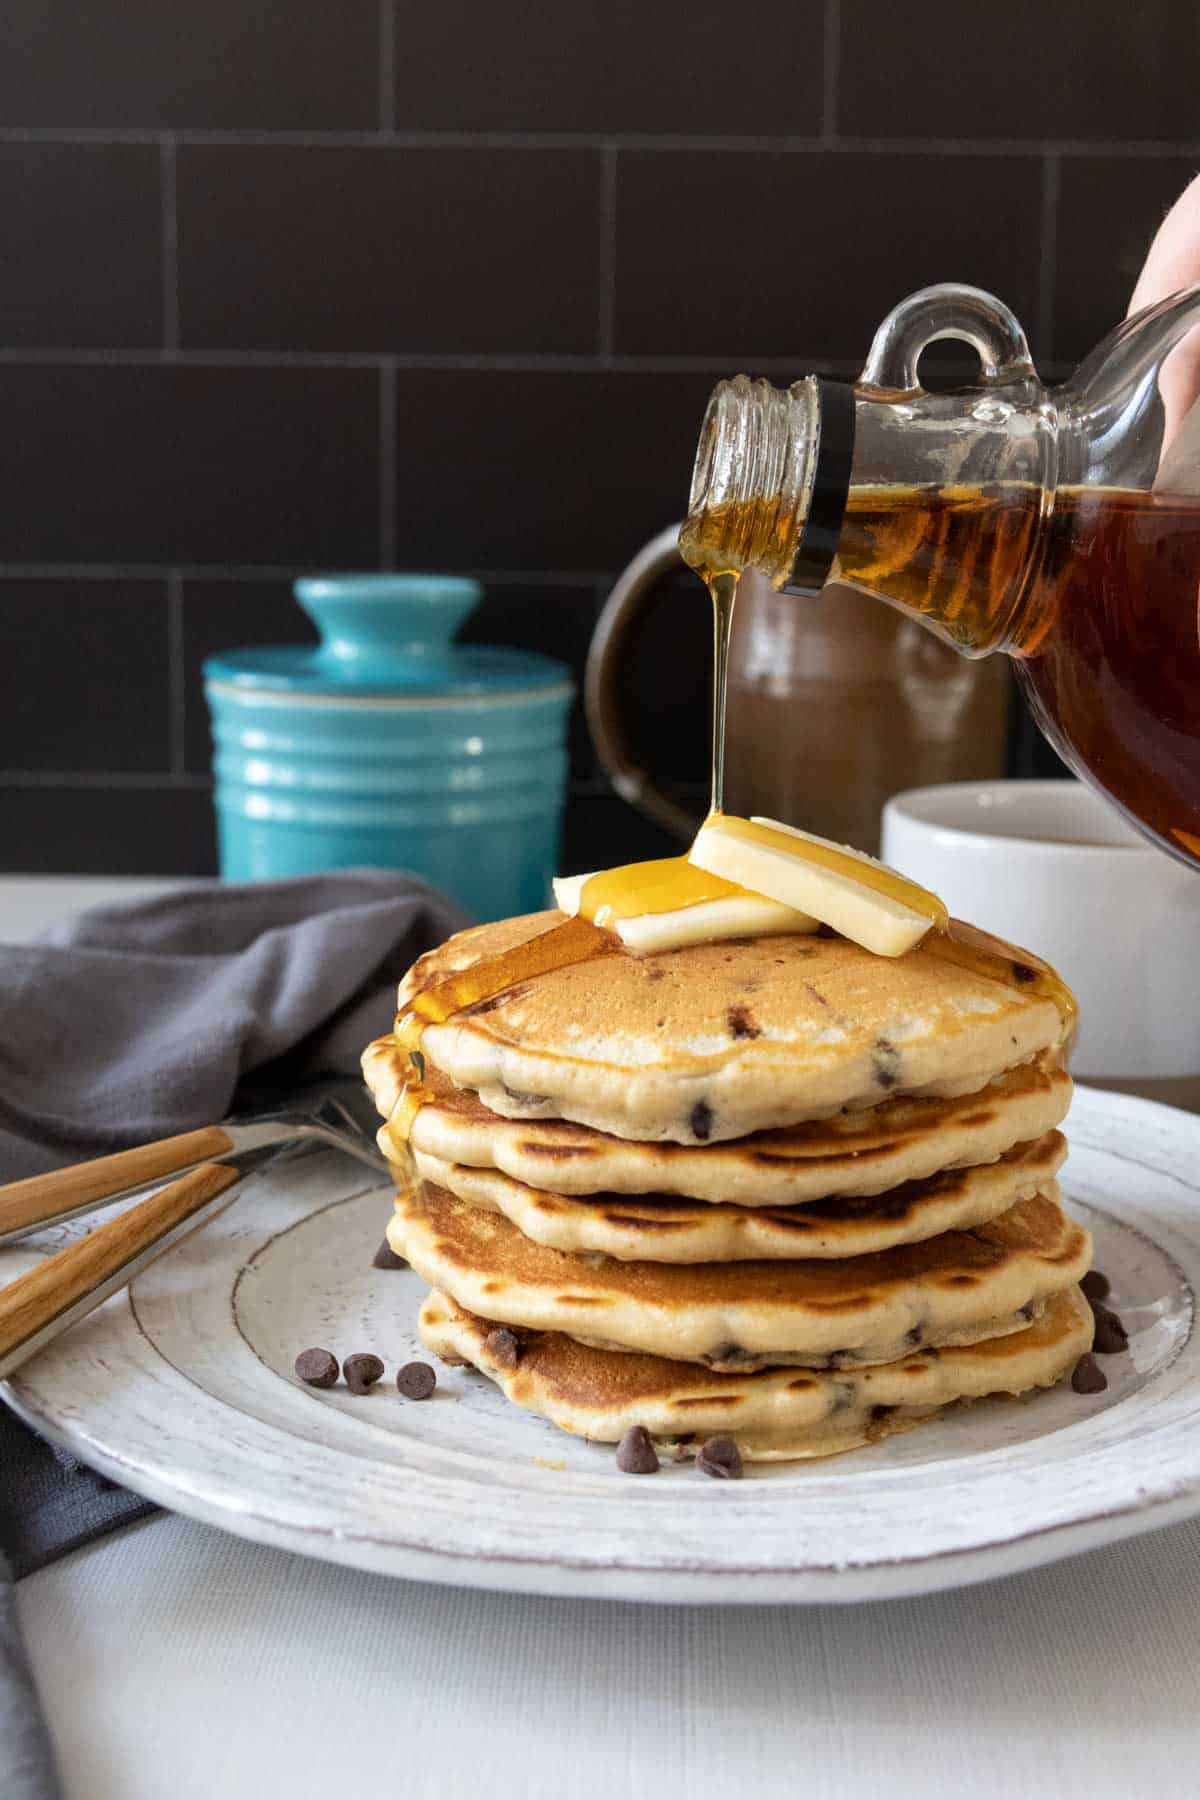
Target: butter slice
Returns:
[644, 934]
[840, 897]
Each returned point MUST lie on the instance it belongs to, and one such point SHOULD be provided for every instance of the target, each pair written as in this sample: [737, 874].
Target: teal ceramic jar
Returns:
[388, 745]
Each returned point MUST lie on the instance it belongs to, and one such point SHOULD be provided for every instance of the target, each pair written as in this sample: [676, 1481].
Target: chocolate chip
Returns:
[362, 1372]
[636, 1454]
[416, 1381]
[504, 1347]
[1022, 974]
[1111, 1336]
[701, 1120]
[721, 1458]
[741, 1023]
[1089, 1377]
[317, 1368]
[1095, 1285]
[887, 1063]
[385, 1258]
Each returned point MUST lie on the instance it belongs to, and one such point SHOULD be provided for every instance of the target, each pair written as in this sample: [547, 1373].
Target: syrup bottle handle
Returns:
[949, 310]
[605, 691]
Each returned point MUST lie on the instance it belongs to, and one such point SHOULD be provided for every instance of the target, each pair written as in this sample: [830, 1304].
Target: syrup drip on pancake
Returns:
[968, 947]
[574, 941]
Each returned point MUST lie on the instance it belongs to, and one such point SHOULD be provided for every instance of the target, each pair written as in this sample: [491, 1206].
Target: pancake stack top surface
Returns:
[780, 1189]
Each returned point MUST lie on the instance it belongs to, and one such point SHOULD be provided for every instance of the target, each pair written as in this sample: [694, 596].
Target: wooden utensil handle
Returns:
[40, 1199]
[35, 1299]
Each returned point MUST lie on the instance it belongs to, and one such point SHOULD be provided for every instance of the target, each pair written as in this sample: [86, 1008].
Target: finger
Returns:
[1173, 260]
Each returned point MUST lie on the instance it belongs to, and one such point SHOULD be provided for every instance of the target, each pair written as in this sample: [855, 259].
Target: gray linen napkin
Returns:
[134, 1021]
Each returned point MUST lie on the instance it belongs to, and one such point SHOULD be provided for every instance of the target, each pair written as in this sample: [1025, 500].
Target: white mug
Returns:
[1052, 867]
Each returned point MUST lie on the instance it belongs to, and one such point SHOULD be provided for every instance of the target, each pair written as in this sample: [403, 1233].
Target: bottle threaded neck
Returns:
[753, 478]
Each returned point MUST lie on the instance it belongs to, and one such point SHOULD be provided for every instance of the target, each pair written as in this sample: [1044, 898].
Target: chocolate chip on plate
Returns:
[504, 1347]
[720, 1457]
[385, 1258]
[416, 1381]
[317, 1368]
[636, 1454]
[1089, 1377]
[1111, 1336]
[362, 1372]
[1095, 1285]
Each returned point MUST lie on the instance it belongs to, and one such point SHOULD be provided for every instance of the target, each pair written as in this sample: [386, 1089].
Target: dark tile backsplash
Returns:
[296, 285]
[88, 683]
[186, 65]
[165, 463]
[536, 467]
[82, 235]
[772, 289]
[160, 827]
[340, 248]
[608, 66]
[1079, 69]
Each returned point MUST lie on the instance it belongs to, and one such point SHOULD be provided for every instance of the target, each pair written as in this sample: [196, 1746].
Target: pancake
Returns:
[658, 1228]
[713, 1041]
[955, 1288]
[775, 1414]
[865, 1152]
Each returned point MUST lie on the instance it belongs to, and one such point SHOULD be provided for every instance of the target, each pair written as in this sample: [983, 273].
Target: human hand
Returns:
[1173, 262]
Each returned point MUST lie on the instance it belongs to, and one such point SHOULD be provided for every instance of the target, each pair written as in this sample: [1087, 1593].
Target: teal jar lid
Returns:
[387, 636]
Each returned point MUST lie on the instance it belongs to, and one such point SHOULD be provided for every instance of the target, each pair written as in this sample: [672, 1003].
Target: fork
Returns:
[44, 1302]
[338, 1113]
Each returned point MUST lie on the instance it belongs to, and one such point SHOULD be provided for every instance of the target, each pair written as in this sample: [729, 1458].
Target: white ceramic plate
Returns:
[182, 1389]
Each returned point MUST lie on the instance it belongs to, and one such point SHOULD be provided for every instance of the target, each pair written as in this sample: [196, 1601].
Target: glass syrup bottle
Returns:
[1060, 526]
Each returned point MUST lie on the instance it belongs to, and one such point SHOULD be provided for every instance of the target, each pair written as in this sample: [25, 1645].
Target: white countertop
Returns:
[29, 903]
[176, 1661]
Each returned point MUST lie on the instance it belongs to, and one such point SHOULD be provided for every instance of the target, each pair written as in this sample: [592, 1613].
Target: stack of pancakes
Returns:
[779, 1189]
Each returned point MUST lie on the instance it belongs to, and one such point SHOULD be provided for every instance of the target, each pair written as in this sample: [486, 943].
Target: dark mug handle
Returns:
[637, 590]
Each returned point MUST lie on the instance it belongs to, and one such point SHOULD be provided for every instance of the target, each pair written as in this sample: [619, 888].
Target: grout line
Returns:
[802, 145]
[388, 466]
[169, 197]
[606, 272]
[176, 679]
[114, 571]
[1048, 259]
[500, 361]
[831, 71]
[387, 66]
[98, 778]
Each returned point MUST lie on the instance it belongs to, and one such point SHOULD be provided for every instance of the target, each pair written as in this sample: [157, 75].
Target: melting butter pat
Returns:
[667, 904]
[857, 896]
